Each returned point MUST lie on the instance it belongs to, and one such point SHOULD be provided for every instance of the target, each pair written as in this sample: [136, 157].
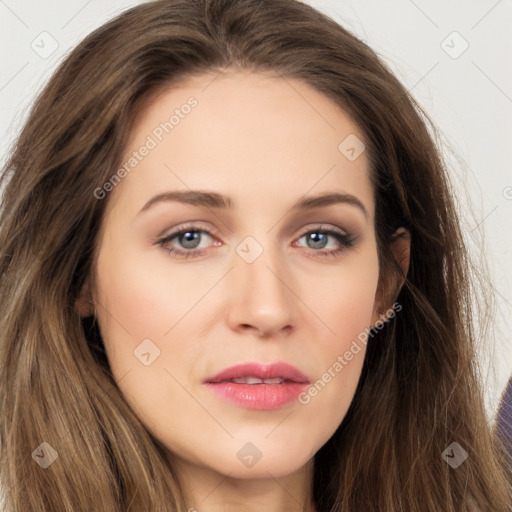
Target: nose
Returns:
[262, 298]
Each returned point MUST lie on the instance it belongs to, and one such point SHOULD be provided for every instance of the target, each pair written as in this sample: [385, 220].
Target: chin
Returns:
[251, 462]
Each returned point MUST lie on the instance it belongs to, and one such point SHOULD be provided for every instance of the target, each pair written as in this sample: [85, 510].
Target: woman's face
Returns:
[255, 280]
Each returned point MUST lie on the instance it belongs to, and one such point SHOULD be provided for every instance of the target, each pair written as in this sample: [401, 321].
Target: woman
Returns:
[261, 368]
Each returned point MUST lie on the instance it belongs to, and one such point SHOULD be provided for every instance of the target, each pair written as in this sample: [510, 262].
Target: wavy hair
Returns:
[419, 389]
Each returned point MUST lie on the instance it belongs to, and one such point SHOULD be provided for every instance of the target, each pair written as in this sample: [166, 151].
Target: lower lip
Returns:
[258, 396]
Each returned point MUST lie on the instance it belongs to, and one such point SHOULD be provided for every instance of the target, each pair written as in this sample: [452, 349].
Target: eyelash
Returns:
[346, 240]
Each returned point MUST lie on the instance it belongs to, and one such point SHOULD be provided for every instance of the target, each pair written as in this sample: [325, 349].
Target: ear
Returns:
[390, 285]
[401, 249]
[84, 305]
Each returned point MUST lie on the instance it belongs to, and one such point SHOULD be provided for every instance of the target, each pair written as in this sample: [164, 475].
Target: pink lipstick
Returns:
[257, 386]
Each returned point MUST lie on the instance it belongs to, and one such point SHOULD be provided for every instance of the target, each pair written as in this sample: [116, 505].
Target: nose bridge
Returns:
[263, 294]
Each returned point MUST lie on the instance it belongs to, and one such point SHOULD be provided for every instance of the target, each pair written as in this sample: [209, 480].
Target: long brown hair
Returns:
[419, 390]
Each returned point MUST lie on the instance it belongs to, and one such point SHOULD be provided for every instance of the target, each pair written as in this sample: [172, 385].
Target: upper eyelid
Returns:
[192, 227]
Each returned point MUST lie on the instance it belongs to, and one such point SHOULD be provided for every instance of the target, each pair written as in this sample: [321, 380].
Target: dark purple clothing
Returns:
[504, 419]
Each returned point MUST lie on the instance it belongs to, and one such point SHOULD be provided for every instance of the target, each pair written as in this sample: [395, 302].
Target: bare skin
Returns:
[266, 143]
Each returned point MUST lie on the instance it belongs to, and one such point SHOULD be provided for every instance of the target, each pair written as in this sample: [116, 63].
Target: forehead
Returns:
[248, 135]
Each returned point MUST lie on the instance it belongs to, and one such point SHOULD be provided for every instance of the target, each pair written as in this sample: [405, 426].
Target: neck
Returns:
[206, 490]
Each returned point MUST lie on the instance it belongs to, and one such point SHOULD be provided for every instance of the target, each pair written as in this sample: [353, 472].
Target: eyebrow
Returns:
[221, 202]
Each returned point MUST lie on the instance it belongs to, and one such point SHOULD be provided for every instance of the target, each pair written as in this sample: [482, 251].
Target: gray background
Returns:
[466, 91]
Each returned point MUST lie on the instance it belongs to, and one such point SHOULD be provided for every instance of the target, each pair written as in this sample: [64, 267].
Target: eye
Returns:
[190, 237]
[318, 239]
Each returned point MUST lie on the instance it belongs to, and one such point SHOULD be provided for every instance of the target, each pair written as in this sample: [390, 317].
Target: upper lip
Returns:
[281, 370]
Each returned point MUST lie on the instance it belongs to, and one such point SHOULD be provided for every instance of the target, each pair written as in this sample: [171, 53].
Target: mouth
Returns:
[256, 380]
[256, 373]
[256, 386]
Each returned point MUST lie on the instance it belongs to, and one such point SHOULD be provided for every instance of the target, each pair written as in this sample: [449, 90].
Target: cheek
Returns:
[346, 307]
[139, 300]
[346, 298]
[141, 309]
